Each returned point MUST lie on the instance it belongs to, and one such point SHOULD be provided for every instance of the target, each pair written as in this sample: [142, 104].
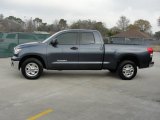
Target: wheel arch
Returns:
[32, 56]
[130, 57]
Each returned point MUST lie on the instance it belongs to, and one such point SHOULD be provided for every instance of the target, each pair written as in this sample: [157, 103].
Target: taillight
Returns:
[150, 50]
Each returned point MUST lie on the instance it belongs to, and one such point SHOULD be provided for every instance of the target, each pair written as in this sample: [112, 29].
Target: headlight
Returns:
[16, 50]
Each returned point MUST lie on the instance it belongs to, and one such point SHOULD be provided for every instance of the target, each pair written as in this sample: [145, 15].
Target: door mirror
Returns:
[54, 42]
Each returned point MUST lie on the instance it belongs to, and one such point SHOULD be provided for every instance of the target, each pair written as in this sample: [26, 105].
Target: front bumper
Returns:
[15, 64]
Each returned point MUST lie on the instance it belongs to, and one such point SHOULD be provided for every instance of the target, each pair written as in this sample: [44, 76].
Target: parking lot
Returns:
[79, 95]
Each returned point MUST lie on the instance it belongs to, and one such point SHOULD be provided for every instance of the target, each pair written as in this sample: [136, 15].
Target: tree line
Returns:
[15, 24]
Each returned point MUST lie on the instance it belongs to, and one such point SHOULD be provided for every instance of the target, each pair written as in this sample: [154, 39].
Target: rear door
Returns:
[90, 51]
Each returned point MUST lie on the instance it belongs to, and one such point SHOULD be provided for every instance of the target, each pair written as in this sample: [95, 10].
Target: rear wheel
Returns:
[127, 70]
[32, 68]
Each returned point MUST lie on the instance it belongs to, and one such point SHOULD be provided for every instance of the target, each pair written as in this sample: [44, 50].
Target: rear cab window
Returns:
[87, 38]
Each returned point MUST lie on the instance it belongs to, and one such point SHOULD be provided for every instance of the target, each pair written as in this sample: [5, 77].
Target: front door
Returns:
[64, 55]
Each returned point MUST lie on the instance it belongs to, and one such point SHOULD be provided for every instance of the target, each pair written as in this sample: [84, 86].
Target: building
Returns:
[131, 37]
[133, 34]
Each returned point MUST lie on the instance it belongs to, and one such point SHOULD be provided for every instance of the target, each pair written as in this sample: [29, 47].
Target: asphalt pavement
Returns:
[79, 95]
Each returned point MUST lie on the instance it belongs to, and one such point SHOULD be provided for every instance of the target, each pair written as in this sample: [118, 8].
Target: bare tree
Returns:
[10, 25]
[62, 24]
[143, 25]
[1, 25]
[30, 26]
[159, 21]
[132, 27]
[1, 16]
[123, 23]
[38, 22]
[114, 30]
[89, 24]
[56, 26]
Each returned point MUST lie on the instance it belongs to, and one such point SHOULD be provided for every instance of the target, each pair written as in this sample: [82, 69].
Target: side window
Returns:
[67, 38]
[87, 38]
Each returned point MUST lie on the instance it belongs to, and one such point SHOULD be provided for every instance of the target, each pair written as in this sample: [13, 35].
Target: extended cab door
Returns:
[90, 51]
[64, 55]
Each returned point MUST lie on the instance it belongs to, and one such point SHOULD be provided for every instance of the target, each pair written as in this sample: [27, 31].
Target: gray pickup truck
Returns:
[80, 50]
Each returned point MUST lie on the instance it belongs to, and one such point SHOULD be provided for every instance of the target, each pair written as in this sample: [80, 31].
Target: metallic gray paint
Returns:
[86, 57]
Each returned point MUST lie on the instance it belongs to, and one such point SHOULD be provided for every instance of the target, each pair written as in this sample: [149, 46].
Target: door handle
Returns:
[74, 48]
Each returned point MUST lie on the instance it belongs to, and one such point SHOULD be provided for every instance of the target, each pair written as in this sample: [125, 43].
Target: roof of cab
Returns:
[79, 30]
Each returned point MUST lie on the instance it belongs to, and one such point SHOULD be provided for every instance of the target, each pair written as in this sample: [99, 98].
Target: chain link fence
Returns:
[133, 41]
[9, 40]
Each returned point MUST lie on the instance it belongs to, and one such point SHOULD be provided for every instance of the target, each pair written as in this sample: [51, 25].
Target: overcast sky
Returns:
[107, 11]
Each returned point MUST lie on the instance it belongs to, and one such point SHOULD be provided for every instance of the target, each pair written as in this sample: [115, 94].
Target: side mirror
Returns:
[54, 42]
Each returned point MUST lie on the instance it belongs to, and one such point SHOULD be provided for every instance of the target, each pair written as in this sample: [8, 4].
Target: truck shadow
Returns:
[70, 74]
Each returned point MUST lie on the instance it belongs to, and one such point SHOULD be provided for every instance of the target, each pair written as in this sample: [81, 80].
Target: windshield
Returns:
[50, 38]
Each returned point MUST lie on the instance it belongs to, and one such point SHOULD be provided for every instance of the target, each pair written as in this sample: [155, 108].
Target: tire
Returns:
[127, 70]
[34, 72]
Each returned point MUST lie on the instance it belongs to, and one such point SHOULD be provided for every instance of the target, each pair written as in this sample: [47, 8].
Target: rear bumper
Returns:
[151, 64]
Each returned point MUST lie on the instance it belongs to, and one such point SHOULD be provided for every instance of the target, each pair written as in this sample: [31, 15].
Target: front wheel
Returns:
[32, 68]
[127, 70]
